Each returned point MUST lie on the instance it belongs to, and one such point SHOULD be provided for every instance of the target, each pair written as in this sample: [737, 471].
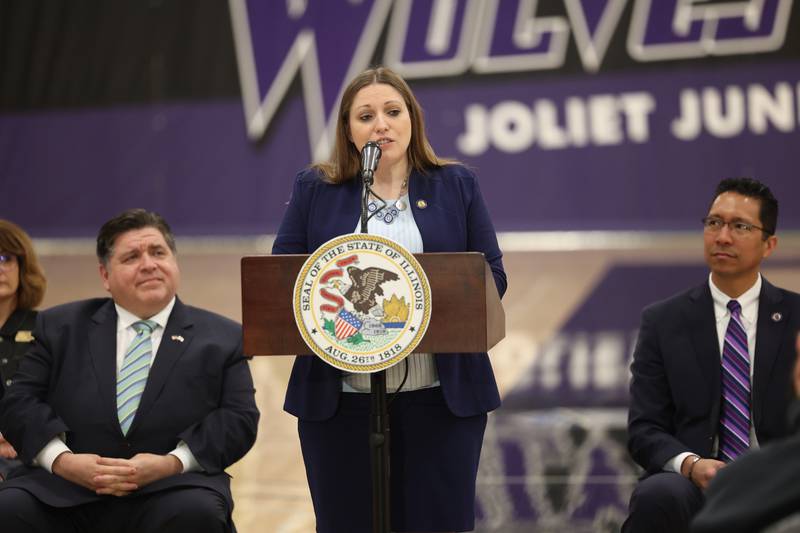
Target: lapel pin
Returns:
[776, 317]
[422, 204]
[23, 336]
[177, 338]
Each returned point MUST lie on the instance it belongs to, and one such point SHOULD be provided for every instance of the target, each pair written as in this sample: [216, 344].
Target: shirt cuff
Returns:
[186, 457]
[674, 464]
[48, 455]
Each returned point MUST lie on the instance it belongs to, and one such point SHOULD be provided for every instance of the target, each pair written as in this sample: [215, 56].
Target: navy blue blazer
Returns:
[199, 390]
[454, 219]
[676, 387]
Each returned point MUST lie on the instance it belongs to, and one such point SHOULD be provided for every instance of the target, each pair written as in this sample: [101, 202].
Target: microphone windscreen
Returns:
[370, 155]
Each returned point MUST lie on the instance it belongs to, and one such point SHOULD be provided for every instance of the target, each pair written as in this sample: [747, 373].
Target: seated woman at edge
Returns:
[22, 286]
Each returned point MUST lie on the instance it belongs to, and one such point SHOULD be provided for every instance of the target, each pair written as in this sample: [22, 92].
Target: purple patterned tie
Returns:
[734, 420]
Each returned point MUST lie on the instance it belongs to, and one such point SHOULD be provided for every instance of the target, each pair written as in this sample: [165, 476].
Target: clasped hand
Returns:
[6, 450]
[112, 476]
[704, 471]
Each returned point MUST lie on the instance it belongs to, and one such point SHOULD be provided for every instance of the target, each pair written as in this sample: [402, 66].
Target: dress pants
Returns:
[180, 510]
[663, 503]
[7, 465]
[433, 464]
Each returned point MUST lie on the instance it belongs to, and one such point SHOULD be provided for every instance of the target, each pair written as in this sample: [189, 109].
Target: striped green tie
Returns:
[132, 376]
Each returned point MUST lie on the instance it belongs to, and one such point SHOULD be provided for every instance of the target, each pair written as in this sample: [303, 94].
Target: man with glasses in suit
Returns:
[711, 367]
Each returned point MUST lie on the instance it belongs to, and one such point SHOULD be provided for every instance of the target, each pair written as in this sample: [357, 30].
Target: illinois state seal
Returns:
[362, 302]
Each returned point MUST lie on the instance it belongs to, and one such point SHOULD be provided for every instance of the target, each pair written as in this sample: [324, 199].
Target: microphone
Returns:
[370, 155]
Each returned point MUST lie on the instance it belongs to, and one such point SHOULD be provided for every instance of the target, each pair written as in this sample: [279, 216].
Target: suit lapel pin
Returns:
[177, 338]
[23, 336]
[422, 204]
[776, 317]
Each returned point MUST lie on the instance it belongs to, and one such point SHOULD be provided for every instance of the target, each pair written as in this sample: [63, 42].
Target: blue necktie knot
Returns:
[144, 327]
[734, 307]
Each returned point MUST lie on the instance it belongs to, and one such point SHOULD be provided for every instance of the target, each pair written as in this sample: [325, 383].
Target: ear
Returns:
[769, 245]
[104, 276]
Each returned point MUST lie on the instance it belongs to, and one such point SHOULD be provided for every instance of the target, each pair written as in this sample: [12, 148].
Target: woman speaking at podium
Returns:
[439, 416]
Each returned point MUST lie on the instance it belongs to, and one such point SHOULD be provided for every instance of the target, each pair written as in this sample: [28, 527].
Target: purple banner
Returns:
[592, 115]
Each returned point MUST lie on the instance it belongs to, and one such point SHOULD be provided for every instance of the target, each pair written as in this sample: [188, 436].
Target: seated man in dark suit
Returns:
[761, 489]
[127, 410]
[710, 366]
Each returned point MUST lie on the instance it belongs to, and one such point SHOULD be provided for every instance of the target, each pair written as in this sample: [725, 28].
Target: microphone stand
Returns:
[379, 413]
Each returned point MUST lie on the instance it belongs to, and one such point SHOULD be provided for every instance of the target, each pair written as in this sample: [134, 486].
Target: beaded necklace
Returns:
[386, 212]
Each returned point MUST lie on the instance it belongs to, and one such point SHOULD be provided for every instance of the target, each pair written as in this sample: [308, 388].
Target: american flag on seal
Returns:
[346, 324]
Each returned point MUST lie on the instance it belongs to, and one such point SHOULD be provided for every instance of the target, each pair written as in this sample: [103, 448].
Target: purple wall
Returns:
[600, 117]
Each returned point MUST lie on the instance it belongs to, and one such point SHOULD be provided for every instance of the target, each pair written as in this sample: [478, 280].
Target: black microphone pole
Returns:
[379, 412]
[370, 155]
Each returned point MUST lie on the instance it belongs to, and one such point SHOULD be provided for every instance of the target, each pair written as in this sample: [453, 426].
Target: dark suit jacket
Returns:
[199, 390]
[454, 219]
[11, 352]
[676, 386]
[757, 490]
[12, 349]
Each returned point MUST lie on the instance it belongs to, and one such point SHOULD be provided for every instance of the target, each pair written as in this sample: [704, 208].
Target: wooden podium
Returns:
[467, 314]
[466, 317]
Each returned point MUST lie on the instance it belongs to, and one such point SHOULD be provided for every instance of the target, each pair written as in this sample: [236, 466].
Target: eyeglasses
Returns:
[6, 260]
[737, 227]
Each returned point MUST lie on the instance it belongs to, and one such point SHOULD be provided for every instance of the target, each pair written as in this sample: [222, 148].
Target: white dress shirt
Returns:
[125, 335]
[749, 315]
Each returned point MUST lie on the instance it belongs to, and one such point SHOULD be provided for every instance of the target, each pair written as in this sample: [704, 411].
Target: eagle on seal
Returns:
[366, 285]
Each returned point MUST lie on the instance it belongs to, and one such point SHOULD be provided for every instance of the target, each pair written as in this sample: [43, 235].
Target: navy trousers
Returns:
[194, 509]
[433, 465]
[664, 502]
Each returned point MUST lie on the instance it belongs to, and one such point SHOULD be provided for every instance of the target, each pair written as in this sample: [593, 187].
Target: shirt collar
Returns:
[125, 318]
[748, 300]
